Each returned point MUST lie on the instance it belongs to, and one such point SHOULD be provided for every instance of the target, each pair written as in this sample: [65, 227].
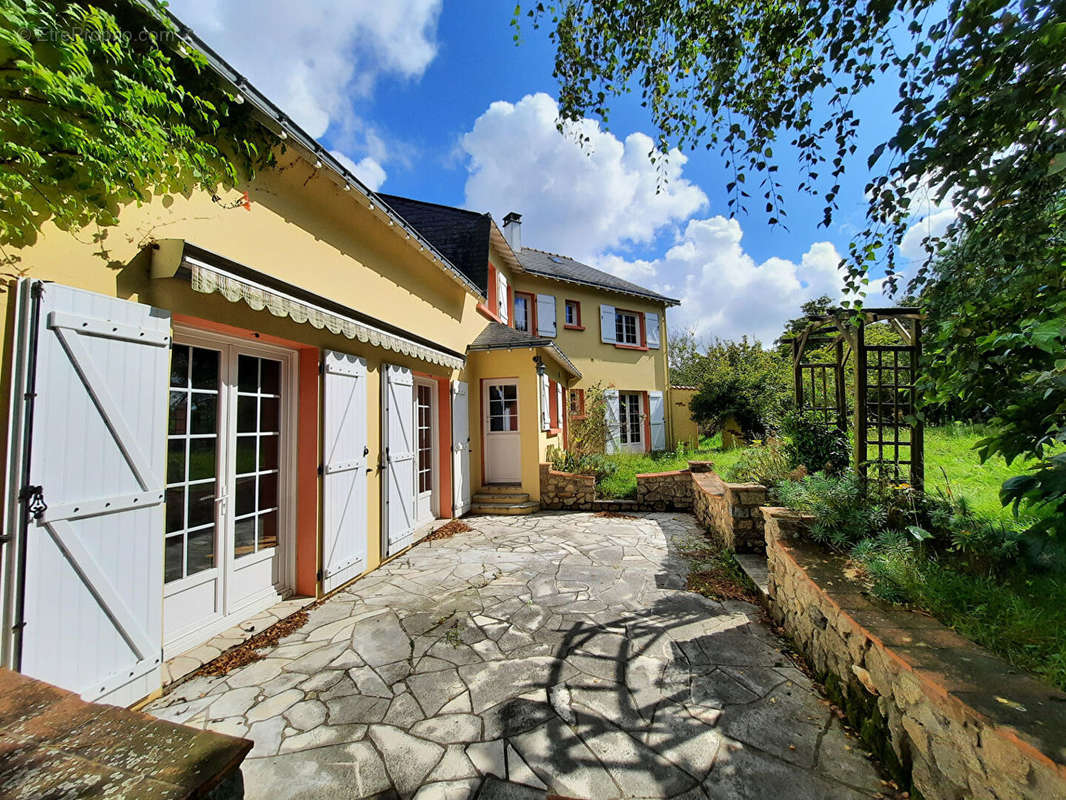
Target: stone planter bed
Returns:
[951, 718]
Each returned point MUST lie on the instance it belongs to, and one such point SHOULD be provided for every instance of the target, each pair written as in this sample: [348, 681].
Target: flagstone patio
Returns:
[558, 652]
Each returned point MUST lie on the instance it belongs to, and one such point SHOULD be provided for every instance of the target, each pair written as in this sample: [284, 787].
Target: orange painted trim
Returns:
[510, 305]
[485, 311]
[630, 347]
[307, 461]
[647, 422]
[308, 449]
[573, 327]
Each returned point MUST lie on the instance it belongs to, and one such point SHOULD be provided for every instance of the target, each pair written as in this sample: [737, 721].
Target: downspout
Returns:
[28, 495]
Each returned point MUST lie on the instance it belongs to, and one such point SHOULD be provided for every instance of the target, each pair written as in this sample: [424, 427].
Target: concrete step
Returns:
[500, 488]
[501, 497]
[504, 509]
[754, 566]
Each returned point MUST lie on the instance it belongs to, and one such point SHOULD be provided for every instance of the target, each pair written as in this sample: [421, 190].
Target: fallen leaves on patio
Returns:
[448, 530]
[720, 584]
[248, 652]
[614, 515]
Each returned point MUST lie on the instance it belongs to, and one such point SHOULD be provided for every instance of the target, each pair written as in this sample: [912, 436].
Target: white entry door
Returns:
[229, 516]
[503, 446]
[90, 432]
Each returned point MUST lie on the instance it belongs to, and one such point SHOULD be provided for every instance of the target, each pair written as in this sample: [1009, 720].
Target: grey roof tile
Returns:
[563, 268]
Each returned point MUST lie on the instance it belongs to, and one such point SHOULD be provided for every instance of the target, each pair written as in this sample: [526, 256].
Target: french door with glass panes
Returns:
[631, 421]
[228, 542]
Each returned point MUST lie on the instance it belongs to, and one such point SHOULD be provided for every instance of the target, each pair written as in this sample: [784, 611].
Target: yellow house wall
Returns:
[599, 362]
[303, 229]
[685, 428]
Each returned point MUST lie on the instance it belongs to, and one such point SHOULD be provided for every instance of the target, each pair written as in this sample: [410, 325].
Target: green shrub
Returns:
[842, 518]
[767, 464]
[582, 463]
[816, 444]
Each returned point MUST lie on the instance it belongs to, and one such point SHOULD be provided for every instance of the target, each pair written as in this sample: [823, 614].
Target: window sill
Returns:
[630, 347]
[573, 327]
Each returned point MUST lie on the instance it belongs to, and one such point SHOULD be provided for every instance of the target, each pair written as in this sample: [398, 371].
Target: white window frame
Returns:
[620, 318]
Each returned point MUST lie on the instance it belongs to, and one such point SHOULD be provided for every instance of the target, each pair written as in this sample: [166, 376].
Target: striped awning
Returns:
[210, 279]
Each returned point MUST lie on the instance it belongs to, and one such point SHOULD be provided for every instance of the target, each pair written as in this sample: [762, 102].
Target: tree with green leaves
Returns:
[995, 347]
[980, 112]
[101, 105]
[743, 382]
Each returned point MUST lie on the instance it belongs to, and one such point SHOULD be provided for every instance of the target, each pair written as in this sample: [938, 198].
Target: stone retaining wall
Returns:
[729, 511]
[665, 491]
[951, 719]
[566, 490]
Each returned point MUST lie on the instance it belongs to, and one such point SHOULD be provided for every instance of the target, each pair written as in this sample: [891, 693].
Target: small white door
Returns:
[503, 445]
[425, 439]
[93, 517]
[460, 448]
[657, 413]
[631, 421]
[344, 474]
[398, 459]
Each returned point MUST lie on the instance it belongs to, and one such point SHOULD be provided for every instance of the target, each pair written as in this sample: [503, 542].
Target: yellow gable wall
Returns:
[685, 428]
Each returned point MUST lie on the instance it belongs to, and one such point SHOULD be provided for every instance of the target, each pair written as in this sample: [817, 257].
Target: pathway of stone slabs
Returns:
[557, 652]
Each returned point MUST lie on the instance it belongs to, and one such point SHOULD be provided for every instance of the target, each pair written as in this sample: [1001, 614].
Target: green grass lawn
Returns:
[623, 483]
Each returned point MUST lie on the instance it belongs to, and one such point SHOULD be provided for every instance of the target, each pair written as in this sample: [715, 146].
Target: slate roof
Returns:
[563, 268]
[461, 236]
[497, 336]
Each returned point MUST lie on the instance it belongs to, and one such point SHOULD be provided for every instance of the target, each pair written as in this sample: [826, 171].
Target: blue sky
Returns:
[434, 100]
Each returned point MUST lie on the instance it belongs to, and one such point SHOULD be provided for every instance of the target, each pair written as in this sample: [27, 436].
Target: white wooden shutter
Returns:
[545, 404]
[651, 328]
[559, 403]
[546, 315]
[344, 484]
[607, 328]
[658, 420]
[614, 425]
[94, 548]
[460, 448]
[398, 458]
[502, 306]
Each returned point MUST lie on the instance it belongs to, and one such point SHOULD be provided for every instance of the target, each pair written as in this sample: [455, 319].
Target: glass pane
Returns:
[512, 415]
[244, 536]
[270, 377]
[204, 369]
[245, 503]
[172, 558]
[246, 414]
[510, 392]
[495, 423]
[247, 374]
[201, 504]
[179, 406]
[179, 365]
[201, 459]
[268, 452]
[268, 530]
[175, 461]
[245, 454]
[201, 550]
[268, 414]
[175, 509]
[495, 393]
[204, 413]
[520, 314]
[268, 491]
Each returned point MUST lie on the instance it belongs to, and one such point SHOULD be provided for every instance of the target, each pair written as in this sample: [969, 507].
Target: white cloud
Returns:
[724, 292]
[368, 170]
[576, 200]
[314, 59]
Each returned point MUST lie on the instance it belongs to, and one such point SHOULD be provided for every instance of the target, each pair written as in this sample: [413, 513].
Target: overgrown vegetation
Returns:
[995, 581]
[101, 105]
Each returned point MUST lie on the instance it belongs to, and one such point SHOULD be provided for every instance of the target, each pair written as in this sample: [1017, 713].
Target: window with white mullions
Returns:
[192, 462]
[626, 328]
[258, 434]
[425, 438]
[503, 407]
[630, 419]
